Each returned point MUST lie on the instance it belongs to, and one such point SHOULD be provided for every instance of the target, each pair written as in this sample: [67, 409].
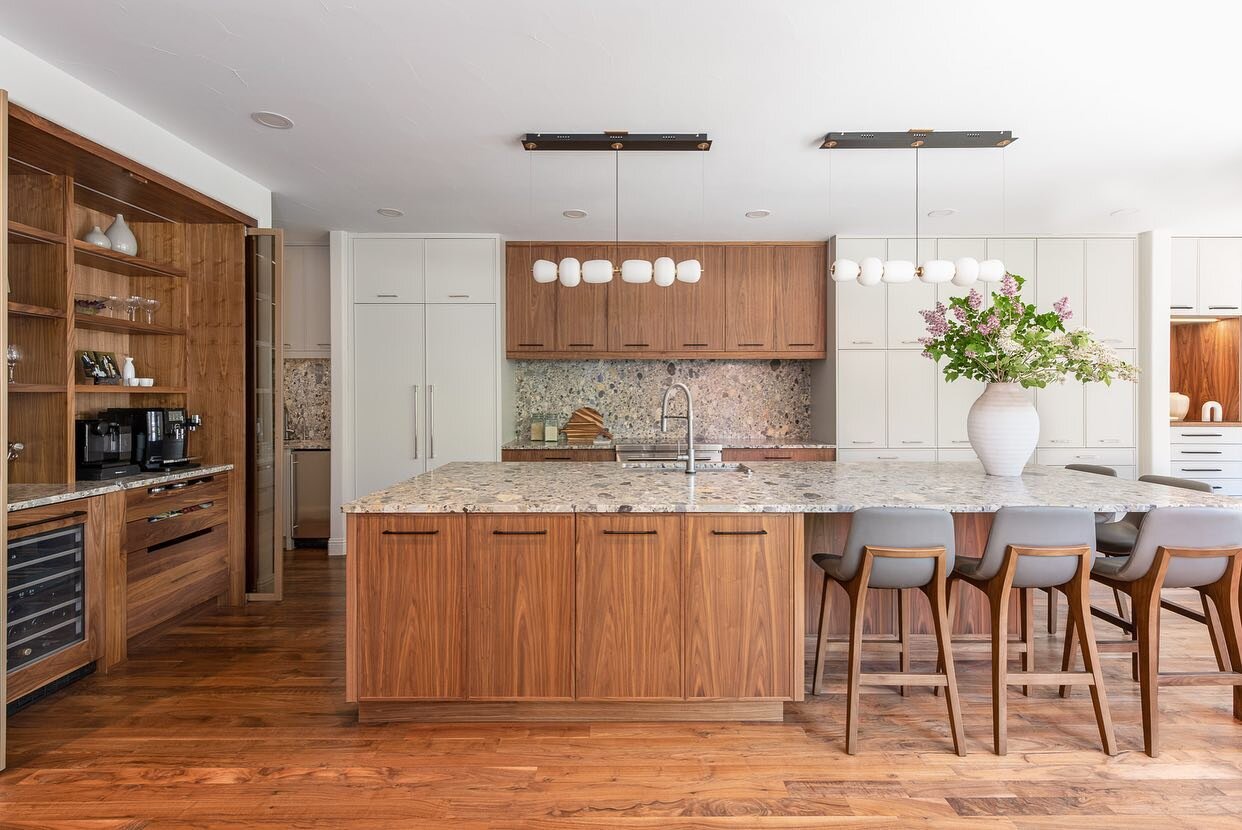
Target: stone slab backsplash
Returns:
[308, 398]
[732, 398]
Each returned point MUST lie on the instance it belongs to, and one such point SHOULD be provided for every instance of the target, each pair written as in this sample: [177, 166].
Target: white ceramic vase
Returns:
[121, 237]
[98, 238]
[1003, 428]
[128, 373]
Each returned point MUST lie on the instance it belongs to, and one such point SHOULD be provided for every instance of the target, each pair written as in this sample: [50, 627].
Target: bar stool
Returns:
[1177, 547]
[901, 548]
[1097, 469]
[1101, 521]
[1030, 548]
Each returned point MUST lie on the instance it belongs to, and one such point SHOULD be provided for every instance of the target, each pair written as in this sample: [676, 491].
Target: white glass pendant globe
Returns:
[898, 270]
[936, 270]
[966, 271]
[689, 270]
[844, 270]
[596, 271]
[665, 271]
[570, 271]
[870, 271]
[637, 271]
[991, 270]
[543, 271]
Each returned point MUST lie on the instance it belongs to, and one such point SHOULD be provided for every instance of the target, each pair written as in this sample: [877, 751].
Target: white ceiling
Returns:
[419, 105]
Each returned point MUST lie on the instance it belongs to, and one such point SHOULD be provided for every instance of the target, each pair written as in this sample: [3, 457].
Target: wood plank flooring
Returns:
[236, 719]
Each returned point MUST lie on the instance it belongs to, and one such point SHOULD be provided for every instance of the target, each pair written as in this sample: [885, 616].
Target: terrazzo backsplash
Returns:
[308, 398]
[733, 399]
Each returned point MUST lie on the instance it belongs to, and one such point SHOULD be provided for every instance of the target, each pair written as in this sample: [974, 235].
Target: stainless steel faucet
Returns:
[688, 418]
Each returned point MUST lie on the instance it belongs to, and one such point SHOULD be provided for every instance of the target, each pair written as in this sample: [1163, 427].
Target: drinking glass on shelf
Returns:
[13, 354]
[150, 305]
[131, 307]
[114, 304]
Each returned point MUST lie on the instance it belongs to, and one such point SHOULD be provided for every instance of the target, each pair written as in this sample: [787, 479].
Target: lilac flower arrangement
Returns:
[1010, 341]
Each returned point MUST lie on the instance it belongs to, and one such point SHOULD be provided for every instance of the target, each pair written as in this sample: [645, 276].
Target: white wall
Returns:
[47, 91]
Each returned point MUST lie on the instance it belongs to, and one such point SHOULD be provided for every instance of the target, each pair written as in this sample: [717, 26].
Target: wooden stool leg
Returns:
[1146, 619]
[1078, 600]
[903, 630]
[1028, 633]
[951, 589]
[1227, 595]
[1215, 631]
[1067, 656]
[1120, 599]
[1052, 610]
[858, 596]
[821, 642]
[999, 600]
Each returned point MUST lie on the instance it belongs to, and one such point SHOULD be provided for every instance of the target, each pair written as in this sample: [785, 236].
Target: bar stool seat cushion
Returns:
[1035, 527]
[1116, 537]
[1109, 566]
[967, 566]
[830, 563]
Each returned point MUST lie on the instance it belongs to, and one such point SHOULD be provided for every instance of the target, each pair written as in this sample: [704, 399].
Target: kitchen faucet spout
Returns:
[688, 418]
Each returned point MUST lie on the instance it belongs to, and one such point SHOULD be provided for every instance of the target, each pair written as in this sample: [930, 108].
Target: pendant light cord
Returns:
[916, 207]
[616, 203]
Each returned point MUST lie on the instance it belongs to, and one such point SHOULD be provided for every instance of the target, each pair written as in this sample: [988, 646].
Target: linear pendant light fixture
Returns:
[964, 271]
[664, 272]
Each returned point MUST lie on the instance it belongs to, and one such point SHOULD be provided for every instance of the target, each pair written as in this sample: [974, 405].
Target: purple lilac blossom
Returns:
[1061, 307]
[989, 326]
[1009, 286]
[975, 299]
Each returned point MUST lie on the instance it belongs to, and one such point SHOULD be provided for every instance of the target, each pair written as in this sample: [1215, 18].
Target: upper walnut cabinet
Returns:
[754, 300]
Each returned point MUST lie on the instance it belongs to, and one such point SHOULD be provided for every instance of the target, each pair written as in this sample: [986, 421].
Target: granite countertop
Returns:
[308, 444]
[24, 496]
[729, 443]
[778, 487]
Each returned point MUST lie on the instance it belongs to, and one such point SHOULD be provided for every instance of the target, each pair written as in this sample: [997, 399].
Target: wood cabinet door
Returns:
[582, 311]
[640, 316]
[520, 628]
[801, 279]
[739, 454]
[739, 588]
[698, 309]
[629, 607]
[750, 298]
[410, 606]
[530, 307]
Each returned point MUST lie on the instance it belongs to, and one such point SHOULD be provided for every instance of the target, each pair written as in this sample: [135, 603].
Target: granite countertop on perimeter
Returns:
[760, 443]
[25, 496]
[775, 487]
[308, 444]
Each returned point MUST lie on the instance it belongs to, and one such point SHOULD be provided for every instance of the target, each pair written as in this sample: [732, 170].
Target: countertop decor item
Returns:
[1179, 405]
[128, 372]
[98, 238]
[121, 237]
[1213, 411]
[89, 304]
[584, 426]
[1011, 346]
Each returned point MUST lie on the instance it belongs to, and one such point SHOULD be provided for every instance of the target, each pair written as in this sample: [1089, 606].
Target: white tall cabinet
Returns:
[423, 352]
[892, 403]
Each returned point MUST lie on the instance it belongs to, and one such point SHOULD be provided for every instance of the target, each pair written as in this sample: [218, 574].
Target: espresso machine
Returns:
[104, 449]
[160, 436]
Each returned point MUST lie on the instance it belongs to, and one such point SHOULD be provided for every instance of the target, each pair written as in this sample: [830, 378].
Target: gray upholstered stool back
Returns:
[1173, 481]
[1038, 527]
[1184, 527]
[1098, 469]
[897, 527]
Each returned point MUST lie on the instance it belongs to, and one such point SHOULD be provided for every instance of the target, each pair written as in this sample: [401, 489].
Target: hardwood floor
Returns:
[236, 719]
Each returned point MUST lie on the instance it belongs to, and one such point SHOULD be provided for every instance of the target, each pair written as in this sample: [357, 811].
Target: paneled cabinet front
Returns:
[530, 306]
[388, 269]
[581, 311]
[750, 298]
[520, 581]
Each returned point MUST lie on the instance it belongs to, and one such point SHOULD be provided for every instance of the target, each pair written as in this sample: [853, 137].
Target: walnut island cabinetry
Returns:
[565, 591]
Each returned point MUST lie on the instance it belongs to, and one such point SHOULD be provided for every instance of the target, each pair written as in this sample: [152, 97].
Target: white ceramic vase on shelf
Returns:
[128, 373]
[98, 238]
[121, 237]
[1003, 428]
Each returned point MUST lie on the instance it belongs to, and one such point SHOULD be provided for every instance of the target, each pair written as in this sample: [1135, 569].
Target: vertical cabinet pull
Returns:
[431, 424]
[415, 409]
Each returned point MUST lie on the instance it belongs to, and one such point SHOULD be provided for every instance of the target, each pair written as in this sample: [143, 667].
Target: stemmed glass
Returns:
[13, 354]
[114, 304]
[131, 307]
[150, 305]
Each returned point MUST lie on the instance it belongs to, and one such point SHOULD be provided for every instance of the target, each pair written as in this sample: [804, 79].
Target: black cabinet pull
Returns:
[529, 345]
[688, 345]
[411, 532]
[629, 533]
[519, 533]
[1202, 470]
[778, 458]
[638, 345]
[739, 533]
[744, 345]
[557, 458]
[796, 345]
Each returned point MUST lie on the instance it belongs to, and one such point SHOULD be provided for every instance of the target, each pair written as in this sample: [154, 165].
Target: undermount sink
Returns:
[680, 467]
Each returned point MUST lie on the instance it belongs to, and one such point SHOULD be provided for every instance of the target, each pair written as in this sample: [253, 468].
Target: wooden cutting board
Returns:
[584, 426]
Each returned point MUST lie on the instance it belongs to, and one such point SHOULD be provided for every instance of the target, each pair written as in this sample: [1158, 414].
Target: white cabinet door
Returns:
[906, 300]
[1060, 414]
[1019, 258]
[316, 302]
[861, 403]
[1061, 274]
[462, 371]
[1184, 275]
[860, 308]
[952, 249]
[1110, 411]
[911, 400]
[461, 270]
[291, 317]
[388, 270]
[1220, 276]
[953, 402]
[1111, 306]
[390, 389]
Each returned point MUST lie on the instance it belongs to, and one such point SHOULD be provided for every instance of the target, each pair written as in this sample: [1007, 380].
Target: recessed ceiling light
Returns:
[272, 119]
[1124, 212]
[574, 213]
[391, 213]
[758, 214]
[939, 213]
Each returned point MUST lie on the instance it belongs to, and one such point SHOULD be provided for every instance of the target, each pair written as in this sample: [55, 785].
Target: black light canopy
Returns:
[616, 140]
[925, 139]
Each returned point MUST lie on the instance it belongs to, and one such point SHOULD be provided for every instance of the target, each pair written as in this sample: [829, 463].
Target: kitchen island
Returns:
[562, 591]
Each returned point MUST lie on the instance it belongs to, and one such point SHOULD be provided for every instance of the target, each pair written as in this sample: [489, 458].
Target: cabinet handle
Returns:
[887, 457]
[797, 345]
[1111, 340]
[739, 533]
[519, 533]
[747, 345]
[637, 345]
[1110, 440]
[1203, 435]
[862, 342]
[459, 296]
[914, 442]
[1202, 470]
[322, 344]
[415, 411]
[1060, 441]
[960, 441]
[909, 342]
[695, 345]
[629, 532]
[579, 345]
[557, 458]
[386, 295]
[862, 442]
[1182, 307]
[529, 345]
[411, 532]
[431, 424]
[778, 458]
[1222, 308]
[1201, 452]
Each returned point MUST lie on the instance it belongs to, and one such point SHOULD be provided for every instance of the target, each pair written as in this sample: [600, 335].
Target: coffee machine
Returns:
[160, 436]
[104, 449]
